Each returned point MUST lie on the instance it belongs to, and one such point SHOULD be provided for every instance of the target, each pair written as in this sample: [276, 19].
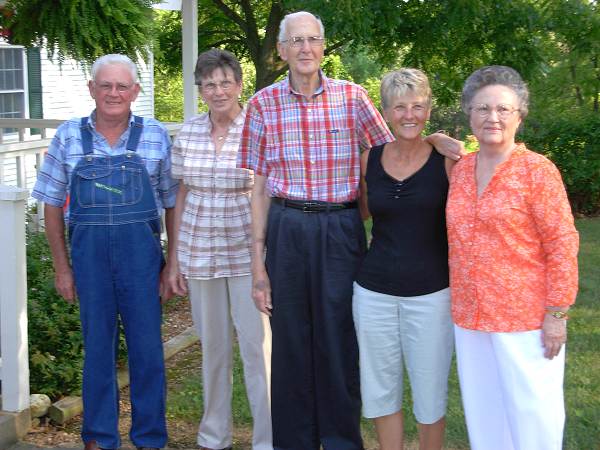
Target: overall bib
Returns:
[114, 233]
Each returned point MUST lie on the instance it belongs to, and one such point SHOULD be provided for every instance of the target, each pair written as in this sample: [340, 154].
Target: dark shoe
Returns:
[91, 445]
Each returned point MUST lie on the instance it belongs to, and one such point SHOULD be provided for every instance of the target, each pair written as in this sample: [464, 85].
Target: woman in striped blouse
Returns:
[212, 255]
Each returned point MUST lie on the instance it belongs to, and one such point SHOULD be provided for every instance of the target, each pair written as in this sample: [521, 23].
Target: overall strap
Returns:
[87, 140]
[135, 134]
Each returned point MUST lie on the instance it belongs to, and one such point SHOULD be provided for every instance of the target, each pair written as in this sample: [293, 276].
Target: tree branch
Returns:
[333, 47]
[231, 14]
[250, 19]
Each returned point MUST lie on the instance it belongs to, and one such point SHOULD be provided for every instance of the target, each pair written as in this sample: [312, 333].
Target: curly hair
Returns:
[495, 75]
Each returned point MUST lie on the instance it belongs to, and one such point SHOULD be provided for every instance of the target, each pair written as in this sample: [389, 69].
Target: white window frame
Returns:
[8, 137]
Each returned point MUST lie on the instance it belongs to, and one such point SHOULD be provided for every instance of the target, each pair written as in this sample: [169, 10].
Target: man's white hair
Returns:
[288, 17]
[114, 59]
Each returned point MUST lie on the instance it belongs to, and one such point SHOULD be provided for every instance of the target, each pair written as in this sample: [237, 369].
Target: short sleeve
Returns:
[167, 185]
[372, 127]
[253, 143]
[52, 181]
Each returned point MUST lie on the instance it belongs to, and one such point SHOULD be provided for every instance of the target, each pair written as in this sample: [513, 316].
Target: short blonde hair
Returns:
[399, 82]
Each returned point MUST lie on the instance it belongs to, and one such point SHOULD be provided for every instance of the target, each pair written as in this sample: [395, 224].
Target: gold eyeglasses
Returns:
[484, 111]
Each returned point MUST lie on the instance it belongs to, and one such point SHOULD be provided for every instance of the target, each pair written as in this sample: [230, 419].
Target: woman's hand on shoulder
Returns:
[446, 145]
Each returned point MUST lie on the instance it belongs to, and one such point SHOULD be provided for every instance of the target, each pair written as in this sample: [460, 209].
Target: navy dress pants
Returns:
[312, 260]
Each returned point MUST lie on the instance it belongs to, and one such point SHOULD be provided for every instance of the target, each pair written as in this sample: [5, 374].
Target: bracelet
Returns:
[562, 315]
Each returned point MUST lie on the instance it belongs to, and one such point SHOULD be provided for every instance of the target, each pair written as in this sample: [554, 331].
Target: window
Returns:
[12, 84]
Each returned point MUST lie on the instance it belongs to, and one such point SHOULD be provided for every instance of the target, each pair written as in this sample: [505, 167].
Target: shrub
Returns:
[572, 142]
[55, 342]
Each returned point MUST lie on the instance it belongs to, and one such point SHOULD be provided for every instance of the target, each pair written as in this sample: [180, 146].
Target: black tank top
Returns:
[408, 254]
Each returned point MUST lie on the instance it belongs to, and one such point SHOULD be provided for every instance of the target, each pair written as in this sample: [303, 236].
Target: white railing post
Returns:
[189, 51]
[13, 300]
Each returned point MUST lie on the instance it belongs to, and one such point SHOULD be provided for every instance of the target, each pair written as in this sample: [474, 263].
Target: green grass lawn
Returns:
[582, 380]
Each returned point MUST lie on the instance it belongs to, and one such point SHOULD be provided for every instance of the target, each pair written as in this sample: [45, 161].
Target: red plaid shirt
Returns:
[309, 148]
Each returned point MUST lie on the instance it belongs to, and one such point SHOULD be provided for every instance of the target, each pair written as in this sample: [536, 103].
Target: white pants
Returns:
[218, 305]
[512, 395]
[394, 332]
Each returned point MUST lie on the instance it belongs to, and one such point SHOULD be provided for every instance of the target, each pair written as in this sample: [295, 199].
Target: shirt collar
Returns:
[238, 121]
[324, 86]
[92, 120]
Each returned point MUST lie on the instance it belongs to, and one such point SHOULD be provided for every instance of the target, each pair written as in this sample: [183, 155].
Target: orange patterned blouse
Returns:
[512, 250]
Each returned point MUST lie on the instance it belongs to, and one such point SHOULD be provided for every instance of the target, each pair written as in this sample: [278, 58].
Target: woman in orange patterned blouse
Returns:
[513, 274]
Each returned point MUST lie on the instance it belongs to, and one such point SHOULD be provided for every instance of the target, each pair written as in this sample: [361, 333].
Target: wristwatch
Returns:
[557, 314]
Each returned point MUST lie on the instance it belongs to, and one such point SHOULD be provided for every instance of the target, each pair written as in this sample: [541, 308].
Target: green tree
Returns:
[81, 29]
[447, 38]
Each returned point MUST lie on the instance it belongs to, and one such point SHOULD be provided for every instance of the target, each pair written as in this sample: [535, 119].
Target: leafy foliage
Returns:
[571, 141]
[446, 38]
[82, 29]
[55, 343]
[168, 96]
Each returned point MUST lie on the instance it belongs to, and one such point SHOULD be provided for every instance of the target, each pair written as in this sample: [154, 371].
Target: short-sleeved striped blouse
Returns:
[214, 236]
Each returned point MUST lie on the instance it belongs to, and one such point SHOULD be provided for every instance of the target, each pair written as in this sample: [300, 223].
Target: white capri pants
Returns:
[512, 395]
[395, 331]
[218, 305]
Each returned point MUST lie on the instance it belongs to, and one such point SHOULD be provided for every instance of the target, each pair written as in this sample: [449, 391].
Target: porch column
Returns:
[189, 15]
[13, 300]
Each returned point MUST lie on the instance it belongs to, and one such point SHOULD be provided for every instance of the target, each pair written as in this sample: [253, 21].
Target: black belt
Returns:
[313, 206]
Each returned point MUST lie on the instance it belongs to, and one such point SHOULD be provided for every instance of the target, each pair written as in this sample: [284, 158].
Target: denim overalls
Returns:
[114, 232]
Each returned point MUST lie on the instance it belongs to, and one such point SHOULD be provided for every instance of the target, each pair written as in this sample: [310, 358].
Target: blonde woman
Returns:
[401, 299]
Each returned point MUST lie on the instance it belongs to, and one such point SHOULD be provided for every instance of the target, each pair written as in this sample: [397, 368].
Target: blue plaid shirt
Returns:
[65, 151]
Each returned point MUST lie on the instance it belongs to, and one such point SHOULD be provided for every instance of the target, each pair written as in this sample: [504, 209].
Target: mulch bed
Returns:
[177, 318]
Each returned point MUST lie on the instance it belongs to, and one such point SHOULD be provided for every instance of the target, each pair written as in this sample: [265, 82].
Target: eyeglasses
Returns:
[298, 41]
[108, 87]
[225, 85]
[503, 111]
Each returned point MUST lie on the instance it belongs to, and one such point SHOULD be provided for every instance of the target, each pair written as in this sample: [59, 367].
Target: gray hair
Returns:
[214, 59]
[402, 81]
[495, 75]
[283, 26]
[114, 59]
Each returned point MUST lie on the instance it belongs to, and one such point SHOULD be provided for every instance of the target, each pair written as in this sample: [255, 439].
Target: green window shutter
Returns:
[34, 77]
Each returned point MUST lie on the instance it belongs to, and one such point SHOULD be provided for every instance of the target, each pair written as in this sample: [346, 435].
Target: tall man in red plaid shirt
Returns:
[302, 138]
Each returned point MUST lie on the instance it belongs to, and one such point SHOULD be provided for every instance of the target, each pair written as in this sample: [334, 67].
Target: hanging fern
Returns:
[82, 30]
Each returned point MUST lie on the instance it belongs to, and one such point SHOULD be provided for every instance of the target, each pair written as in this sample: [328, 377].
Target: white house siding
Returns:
[65, 91]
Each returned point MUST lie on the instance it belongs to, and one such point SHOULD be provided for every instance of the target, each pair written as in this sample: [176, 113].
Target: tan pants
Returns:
[218, 305]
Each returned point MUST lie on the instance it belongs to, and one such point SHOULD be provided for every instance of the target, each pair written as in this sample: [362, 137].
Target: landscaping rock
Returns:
[65, 408]
[39, 404]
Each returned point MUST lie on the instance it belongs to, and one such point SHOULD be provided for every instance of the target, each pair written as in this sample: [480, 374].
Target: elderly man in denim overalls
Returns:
[115, 170]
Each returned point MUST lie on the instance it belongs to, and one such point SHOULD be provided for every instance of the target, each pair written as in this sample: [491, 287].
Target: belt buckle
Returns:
[307, 205]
